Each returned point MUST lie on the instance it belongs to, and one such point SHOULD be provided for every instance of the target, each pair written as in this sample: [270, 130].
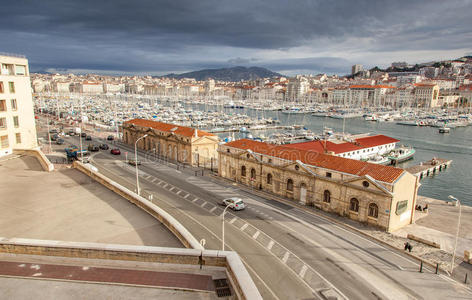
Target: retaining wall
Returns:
[43, 160]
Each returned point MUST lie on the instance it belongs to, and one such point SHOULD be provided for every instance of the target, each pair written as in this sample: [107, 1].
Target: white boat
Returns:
[401, 154]
[370, 118]
[378, 159]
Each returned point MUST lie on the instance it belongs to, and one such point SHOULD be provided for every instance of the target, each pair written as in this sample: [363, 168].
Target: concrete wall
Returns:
[235, 270]
[43, 160]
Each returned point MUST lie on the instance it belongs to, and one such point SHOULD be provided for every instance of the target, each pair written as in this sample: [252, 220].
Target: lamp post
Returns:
[136, 161]
[457, 232]
[223, 226]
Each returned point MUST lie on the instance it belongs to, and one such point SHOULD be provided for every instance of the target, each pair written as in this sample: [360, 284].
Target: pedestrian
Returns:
[410, 247]
[425, 208]
[407, 246]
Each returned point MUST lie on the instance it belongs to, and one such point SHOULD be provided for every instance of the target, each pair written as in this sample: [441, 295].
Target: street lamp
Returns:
[223, 226]
[136, 161]
[457, 232]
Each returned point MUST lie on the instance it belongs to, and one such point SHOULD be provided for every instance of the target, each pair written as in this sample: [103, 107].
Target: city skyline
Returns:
[165, 37]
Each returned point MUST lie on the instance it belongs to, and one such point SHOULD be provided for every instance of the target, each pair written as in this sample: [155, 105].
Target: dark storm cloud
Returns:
[168, 35]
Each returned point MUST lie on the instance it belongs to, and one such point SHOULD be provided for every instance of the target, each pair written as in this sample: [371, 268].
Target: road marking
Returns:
[213, 209]
[161, 182]
[256, 234]
[271, 244]
[233, 220]
[164, 186]
[178, 192]
[285, 258]
[244, 226]
[178, 171]
[196, 198]
[154, 180]
[171, 189]
[186, 196]
[203, 204]
[303, 271]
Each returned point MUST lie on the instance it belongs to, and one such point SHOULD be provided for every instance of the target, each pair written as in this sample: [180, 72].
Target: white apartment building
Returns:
[17, 126]
[297, 89]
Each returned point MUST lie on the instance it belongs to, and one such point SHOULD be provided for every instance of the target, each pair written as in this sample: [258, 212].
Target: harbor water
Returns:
[456, 145]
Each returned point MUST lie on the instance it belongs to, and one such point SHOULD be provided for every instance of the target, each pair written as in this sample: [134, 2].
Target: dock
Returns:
[430, 167]
[233, 129]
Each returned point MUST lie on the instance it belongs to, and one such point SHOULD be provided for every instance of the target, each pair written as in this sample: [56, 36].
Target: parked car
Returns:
[71, 132]
[234, 203]
[83, 134]
[115, 151]
[93, 148]
[88, 138]
[53, 131]
[59, 141]
[54, 137]
[134, 162]
[104, 146]
[110, 138]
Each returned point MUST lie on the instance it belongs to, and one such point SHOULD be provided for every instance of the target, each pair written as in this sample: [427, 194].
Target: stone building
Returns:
[179, 143]
[374, 194]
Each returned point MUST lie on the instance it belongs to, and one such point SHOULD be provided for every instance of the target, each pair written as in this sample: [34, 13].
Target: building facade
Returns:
[17, 125]
[373, 194]
[426, 95]
[178, 143]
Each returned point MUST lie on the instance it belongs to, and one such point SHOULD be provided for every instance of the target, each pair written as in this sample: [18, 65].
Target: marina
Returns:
[105, 112]
[430, 167]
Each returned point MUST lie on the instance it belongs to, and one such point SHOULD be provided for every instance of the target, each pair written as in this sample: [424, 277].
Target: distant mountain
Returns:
[227, 74]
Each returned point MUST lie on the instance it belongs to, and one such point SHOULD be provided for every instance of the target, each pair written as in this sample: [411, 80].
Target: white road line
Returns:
[213, 209]
[178, 192]
[270, 245]
[154, 180]
[196, 198]
[186, 196]
[303, 271]
[203, 204]
[285, 258]
[171, 189]
[244, 226]
[233, 220]
[178, 171]
[256, 234]
[164, 186]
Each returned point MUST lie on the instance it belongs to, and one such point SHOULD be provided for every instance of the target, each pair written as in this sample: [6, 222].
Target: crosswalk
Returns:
[213, 187]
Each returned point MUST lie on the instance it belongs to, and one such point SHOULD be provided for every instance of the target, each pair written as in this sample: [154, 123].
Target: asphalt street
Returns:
[290, 253]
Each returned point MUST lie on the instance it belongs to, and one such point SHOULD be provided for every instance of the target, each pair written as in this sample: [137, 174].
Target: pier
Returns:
[430, 167]
[234, 129]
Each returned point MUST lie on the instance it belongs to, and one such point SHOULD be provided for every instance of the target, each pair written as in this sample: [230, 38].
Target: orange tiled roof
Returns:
[345, 165]
[360, 143]
[181, 130]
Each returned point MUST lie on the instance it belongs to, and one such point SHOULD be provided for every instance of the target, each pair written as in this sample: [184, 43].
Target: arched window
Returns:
[253, 174]
[290, 185]
[373, 210]
[269, 178]
[243, 171]
[354, 205]
[326, 196]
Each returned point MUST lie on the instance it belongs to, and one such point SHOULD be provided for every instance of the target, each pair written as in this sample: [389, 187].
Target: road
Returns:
[289, 252]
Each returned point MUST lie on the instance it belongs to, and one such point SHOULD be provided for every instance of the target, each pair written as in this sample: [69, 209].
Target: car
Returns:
[134, 162]
[88, 138]
[54, 137]
[59, 141]
[234, 203]
[53, 131]
[83, 134]
[115, 151]
[104, 146]
[110, 138]
[71, 132]
[93, 148]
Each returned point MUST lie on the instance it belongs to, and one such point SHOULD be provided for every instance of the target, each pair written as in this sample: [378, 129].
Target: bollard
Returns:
[200, 260]
[437, 268]
[421, 267]
[465, 280]
[202, 172]
[196, 173]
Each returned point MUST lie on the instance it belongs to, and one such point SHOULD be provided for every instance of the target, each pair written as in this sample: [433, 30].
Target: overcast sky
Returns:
[290, 37]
